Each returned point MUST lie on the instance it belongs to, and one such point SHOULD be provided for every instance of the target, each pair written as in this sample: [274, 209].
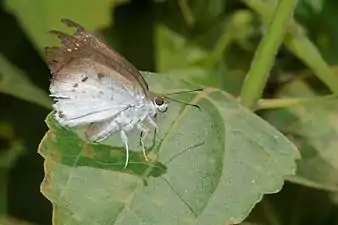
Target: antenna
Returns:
[185, 103]
[184, 92]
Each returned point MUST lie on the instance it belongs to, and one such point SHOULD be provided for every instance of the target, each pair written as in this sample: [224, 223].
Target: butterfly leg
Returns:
[125, 141]
[152, 123]
[144, 132]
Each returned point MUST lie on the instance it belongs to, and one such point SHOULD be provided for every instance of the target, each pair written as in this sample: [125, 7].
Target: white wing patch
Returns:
[88, 97]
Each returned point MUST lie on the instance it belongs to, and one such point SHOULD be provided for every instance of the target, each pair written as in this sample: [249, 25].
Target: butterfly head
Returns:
[159, 102]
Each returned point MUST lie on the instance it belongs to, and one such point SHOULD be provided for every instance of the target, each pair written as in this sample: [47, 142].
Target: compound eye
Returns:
[159, 101]
[161, 104]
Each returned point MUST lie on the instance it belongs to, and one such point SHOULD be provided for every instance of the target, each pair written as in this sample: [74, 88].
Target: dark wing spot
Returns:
[76, 85]
[100, 75]
[84, 79]
[61, 115]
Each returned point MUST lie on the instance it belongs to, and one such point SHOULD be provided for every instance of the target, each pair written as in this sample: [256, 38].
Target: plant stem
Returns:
[186, 12]
[300, 45]
[222, 43]
[291, 102]
[256, 78]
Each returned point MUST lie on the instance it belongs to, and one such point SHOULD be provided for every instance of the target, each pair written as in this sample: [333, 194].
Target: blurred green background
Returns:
[211, 42]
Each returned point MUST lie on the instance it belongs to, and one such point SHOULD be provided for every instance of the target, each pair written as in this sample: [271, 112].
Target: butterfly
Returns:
[94, 86]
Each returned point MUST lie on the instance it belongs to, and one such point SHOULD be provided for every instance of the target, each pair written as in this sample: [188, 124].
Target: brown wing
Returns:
[83, 44]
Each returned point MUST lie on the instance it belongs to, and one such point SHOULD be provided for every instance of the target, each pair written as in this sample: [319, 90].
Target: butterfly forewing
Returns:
[85, 45]
[90, 84]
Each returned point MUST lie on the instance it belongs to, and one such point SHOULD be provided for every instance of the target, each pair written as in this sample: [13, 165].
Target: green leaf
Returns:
[314, 129]
[14, 82]
[207, 167]
[39, 16]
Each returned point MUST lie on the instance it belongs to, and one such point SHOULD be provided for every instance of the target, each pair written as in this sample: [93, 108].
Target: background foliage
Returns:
[207, 42]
